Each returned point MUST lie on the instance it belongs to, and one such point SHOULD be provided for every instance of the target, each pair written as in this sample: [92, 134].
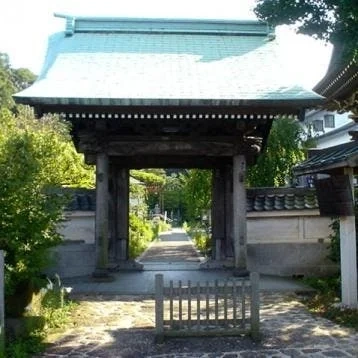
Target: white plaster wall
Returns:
[262, 227]
[78, 226]
[293, 226]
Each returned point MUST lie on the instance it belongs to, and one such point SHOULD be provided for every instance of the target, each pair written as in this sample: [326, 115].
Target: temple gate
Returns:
[144, 93]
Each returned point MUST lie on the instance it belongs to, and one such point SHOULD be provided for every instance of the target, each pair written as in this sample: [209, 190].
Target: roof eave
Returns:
[190, 102]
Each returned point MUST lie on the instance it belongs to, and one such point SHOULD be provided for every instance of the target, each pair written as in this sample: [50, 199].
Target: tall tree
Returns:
[283, 151]
[332, 20]
[196, 190]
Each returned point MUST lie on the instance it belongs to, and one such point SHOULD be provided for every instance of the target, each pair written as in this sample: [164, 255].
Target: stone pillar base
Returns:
[240, 272]
[217, 264]
[125, 265]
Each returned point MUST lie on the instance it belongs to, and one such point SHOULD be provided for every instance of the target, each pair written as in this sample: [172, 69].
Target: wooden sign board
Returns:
[334, 196]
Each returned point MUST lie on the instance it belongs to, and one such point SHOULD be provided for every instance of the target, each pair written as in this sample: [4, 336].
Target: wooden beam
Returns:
[165, 146]
[165, 161]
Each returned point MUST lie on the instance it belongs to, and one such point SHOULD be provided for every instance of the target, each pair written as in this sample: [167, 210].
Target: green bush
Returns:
[48, 311]
[140, 235]
[201, 237]
[159, 226]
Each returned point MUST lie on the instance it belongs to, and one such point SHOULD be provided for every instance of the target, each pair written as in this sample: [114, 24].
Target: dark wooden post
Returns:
[218, 212]
[122, 214]
[239, 219]
[159, 308]
[101, 224]
[112, 215]
[229, 240]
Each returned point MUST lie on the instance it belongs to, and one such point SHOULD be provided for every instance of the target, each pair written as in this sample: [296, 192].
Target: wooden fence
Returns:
[2, 305]
[218, 308]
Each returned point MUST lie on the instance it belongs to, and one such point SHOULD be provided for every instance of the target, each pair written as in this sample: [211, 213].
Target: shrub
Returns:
[140, 235]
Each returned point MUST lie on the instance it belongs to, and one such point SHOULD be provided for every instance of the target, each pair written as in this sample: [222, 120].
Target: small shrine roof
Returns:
[161, 62]
[329, 159]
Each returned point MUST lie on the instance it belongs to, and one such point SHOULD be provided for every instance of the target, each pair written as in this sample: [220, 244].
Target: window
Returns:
[329, 120]
[317, 125]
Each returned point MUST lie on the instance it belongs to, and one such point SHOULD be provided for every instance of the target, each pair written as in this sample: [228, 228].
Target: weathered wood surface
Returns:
[239, 212]
[212, 308]
[101, 224]
[218, 213]
[122, 204]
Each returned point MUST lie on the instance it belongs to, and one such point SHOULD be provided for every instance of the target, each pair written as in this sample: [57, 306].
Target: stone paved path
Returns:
[123, 326]
[172, 247]
[112, 325]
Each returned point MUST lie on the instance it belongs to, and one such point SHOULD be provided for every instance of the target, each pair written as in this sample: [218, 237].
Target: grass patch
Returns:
[48, 316]
[325, 302]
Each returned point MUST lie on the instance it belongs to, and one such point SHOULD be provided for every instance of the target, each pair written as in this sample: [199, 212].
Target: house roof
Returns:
[340, 84]
[329, 159]
[161, 62]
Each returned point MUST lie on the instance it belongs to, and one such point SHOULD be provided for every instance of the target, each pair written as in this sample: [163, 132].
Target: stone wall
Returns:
[289, 243]
[285, 243]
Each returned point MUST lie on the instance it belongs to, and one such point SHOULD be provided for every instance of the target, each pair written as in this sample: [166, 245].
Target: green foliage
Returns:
[196, 192]
[331, 20]
[50, 310]
[159, 226]
[283, 151]
[11, 81]
[326, 300]
[334, 246]
[201, 240]
[172, 193]
[154, 177]
[140, 235]
[36, 157]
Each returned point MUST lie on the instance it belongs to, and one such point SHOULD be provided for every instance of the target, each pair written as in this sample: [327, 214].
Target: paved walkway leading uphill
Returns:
[111, 323]
[172, 247]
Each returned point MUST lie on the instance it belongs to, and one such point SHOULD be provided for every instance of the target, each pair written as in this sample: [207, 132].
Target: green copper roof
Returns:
[112, 61]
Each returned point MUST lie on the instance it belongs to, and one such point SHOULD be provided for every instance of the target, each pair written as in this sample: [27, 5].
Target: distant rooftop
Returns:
[163, 62]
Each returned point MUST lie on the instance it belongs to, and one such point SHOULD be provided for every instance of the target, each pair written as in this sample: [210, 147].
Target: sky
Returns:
[26, 25]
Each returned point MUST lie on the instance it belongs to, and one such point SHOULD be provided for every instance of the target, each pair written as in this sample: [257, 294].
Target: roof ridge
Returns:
[78, 24]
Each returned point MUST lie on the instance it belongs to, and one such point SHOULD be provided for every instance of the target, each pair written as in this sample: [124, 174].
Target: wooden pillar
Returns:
[218, 212]
[229, 240]
[122, 209]
[101, 223]
[112, 214]
[239, 215]
[348, 255]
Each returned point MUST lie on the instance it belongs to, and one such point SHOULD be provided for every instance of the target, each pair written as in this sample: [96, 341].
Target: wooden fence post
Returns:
[2, 306]
[159, 308]
[255, 306]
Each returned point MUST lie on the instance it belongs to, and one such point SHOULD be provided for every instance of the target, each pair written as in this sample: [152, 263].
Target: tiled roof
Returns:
[267, 199]
[272, 199]
[325, 160]
[101, 61]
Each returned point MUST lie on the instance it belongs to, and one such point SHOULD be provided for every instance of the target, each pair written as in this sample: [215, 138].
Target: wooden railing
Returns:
[215, 308]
